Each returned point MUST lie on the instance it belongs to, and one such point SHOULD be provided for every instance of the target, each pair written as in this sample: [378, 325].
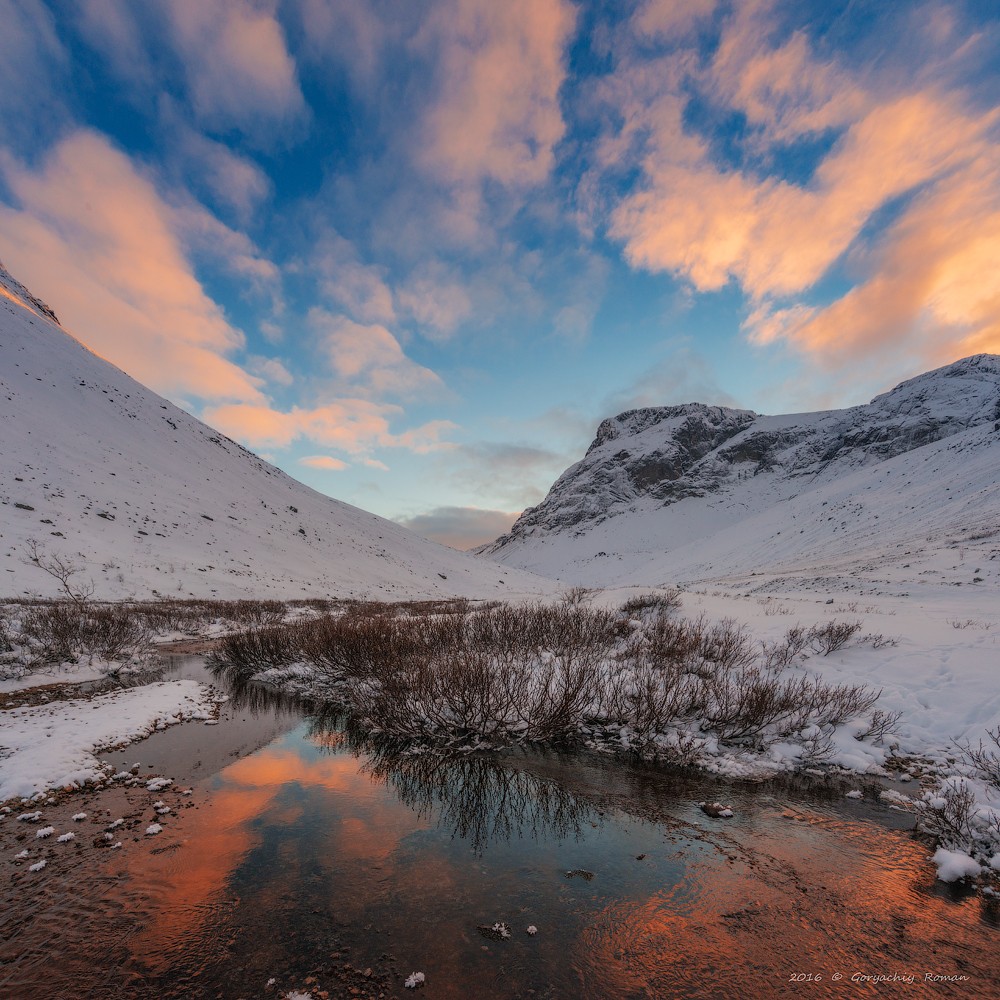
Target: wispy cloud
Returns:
[497, 112]
[238, 68]
[368, 356]
[353, 426]
[326, 463]
[460, 527]
[901, 158]
[91, 233]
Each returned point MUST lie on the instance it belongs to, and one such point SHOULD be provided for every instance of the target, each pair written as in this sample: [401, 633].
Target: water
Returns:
[303, 858]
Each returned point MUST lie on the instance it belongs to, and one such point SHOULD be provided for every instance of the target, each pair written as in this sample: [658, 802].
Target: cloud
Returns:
[357, 288]
[460, 527]
[500, 66]
[238, 69]
[32, 64]
[234, 181]
[668, 19]
[436, 299]
[354, 426]
[685, 377]
[933, 288]
[271, 370]
[512, 474]
[370, 356]
[92, 235]
[324, 462]
[901, 200]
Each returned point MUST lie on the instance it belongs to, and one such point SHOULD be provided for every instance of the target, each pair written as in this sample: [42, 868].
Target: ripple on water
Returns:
[307, 859]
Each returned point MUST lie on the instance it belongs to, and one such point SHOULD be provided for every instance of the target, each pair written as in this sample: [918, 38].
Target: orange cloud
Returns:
[372, 356]
[934, 283]
[497, 115]
[670, 19]
[325, 462]
[354, 426]
[93, 235]
[237, 63]
[926, 278]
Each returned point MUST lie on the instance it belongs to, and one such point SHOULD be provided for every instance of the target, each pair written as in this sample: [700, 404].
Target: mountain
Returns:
[98, 470]
[883, 492]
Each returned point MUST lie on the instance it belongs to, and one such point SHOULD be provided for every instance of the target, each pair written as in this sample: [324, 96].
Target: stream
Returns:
[305, 858]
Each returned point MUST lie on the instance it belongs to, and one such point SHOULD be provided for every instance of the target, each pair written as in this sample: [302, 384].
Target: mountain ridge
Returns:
[149, 501]
[685, 473]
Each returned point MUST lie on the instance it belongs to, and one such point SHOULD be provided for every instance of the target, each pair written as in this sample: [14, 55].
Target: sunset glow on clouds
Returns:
[415, 253]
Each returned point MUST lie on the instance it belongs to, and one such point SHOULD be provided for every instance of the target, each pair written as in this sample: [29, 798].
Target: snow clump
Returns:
[953, 865]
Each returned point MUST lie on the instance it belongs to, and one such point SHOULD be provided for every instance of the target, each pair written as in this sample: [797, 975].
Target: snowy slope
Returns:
[100, 470]
[898, 492]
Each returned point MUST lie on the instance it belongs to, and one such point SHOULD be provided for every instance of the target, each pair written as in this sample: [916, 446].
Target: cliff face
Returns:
[715, 457]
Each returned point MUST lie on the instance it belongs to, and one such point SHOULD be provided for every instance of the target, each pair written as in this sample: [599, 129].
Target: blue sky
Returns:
[413, 253]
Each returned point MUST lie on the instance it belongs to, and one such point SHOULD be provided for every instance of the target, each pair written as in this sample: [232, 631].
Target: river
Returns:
[305, 858]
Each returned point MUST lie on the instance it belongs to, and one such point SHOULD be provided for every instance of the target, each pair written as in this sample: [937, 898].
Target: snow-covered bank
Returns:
[54, 745]
[745, 699]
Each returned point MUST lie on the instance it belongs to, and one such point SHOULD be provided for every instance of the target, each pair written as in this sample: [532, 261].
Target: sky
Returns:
[414, 252]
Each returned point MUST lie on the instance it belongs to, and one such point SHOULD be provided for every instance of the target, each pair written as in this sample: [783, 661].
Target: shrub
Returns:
[834, 635]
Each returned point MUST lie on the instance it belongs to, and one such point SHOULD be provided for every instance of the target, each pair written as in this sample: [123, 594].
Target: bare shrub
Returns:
[950, 819]
[834, 635]
[658, 603]
[984, 758]
[64, 632]
[63, 570]
[247, 653]
[881, 725]
[779, 655]
[575, 597]
[879, 641]
[741, 705]
[505, 673]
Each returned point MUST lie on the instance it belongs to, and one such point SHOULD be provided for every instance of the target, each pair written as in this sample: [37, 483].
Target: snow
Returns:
[153, 829]
[65, 838]
[21, 855]
[46, 831]
[413, 980]
[953, 865]
[531, 930]
[853, 794]
[37, 866]
[54, 745]
[78, 817]
[150, 501]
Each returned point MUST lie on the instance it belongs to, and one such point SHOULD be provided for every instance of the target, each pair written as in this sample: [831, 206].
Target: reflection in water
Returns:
[482, 800]
[324, 853]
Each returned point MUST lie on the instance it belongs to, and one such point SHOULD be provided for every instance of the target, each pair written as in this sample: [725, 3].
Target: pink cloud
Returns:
[354, 426]
[93, 235]
[666, 19]
[237, 64]
[438, 301]
[325, 462]
[359, 289]
[497, 112]
[924, 282]
[370, 356]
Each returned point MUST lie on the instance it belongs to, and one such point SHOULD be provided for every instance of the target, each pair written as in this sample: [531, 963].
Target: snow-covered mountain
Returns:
[99, 470]
[904, 486]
